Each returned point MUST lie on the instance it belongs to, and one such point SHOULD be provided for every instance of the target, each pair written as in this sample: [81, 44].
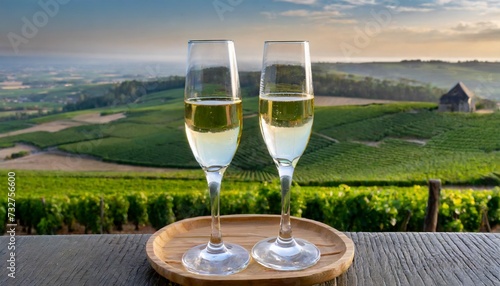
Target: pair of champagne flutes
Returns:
[213, 122]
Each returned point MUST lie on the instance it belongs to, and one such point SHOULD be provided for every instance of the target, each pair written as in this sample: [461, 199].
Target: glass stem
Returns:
[214, 179]
[286, 174]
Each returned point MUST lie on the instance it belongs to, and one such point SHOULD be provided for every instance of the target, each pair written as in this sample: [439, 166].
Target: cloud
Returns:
[487, 24]
[475, 27]
[442, 2]
[415, 34]
[462, 27]
[300, 2]
[477, 32]
[344, 21]
[464, 33]
[467, 5]
[296, 13]
[360, 2]
[485, 6]
[269, 15]
[311, 14]
[412, 9]
[339, 6]
[487, 35]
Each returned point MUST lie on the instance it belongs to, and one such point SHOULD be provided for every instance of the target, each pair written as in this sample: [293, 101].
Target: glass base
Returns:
[224, 259]
[286, 255]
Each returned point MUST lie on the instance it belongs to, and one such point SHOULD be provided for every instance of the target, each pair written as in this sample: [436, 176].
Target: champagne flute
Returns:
[286, 116]
[213, 123]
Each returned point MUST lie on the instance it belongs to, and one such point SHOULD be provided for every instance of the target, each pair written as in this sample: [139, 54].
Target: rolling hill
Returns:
[483, 78]
[399, 143]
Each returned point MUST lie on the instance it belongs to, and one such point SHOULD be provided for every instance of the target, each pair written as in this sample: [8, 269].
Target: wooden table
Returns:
[380, 259]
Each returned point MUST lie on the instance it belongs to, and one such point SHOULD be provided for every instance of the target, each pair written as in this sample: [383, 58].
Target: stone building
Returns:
[458, 99]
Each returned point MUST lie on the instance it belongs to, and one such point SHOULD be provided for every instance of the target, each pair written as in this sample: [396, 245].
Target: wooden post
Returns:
[485, 224]
[404, 224]
[102, 214]
[431, 216]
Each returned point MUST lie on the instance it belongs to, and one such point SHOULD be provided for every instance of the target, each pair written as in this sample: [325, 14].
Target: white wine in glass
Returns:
[286, 112]
[213, 123]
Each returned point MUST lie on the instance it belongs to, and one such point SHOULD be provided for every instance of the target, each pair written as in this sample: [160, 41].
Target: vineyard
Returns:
[347, 177]
[401, 143]
[54, 202]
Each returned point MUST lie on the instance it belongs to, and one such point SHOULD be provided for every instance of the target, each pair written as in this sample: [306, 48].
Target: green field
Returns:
[365, 169]
[402, 143]
[51, 202]
[55, 93]
[8, 126]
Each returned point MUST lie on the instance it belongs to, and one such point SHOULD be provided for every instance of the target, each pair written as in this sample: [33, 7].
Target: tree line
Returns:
[347, 85]
[125, 92]
[326, 84]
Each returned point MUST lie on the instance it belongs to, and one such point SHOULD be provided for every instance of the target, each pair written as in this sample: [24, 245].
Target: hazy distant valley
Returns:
[34, 87]
[482, 78]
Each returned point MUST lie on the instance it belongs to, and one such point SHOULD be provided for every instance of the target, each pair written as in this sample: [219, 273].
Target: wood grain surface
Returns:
[166, 247]
[380, 259]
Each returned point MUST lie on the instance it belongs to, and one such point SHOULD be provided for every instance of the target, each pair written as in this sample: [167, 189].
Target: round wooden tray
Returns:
[166, 247]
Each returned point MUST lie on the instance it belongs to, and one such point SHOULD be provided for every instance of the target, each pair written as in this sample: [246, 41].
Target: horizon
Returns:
[339, 31]
[101, 59]
[156, 68]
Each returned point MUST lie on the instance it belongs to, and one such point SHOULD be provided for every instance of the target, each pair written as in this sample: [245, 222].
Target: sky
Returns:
[344, 31]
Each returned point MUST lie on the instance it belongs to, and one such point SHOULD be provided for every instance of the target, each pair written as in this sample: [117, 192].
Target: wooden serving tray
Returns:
[166, 247]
